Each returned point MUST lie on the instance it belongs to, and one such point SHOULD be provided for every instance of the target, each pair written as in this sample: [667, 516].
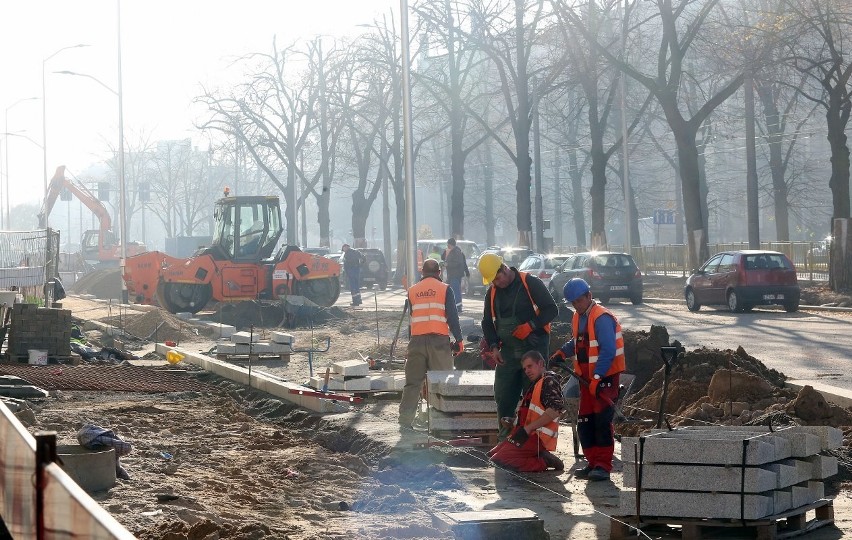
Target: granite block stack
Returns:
[245, 343]
[347, 376]
[461, 401]
[33, 327]
[722, 472]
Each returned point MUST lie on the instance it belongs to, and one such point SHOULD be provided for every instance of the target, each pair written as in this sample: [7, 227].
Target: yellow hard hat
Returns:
[489, 264]
[174, 357]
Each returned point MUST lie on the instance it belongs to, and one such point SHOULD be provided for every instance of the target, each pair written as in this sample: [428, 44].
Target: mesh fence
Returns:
[27, 260]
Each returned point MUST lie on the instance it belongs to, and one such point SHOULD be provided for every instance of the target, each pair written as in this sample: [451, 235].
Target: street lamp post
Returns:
[44, 108]
[6, 151]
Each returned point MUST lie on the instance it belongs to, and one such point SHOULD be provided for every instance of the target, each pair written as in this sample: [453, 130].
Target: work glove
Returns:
[519, 437]
[523, 331]
[457, 347]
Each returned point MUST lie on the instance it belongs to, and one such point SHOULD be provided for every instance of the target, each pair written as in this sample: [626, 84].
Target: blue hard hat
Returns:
[575, 288]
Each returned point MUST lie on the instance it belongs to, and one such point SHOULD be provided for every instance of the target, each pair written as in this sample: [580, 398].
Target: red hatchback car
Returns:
[742, 280]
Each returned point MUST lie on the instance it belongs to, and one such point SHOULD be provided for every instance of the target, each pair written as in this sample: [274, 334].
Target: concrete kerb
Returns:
[807, 308]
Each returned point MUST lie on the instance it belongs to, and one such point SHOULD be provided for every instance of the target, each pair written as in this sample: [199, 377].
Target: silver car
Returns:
[543, 266]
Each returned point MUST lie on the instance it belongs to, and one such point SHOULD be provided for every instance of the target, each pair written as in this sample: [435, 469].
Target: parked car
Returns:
[743, 279]
[471, 252]
[543, 266]
[609, 275]
[374, 269]
[323, 251]
[512, 256]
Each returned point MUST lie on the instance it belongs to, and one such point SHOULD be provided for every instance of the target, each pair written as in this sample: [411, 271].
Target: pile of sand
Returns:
[103, 283]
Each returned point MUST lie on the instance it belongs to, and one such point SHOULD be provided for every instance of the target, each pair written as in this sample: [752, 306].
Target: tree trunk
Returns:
[840, 272]
[598, 168]
[577, 206]
[837, 119]
[687, 155]
[522, 133]
[488, 189]
[775, 141]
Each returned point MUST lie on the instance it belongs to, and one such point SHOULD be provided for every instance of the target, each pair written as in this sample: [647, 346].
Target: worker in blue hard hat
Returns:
[597, 351]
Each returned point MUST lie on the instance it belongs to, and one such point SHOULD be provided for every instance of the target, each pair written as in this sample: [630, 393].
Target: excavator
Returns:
[99, 244]
[240, 264]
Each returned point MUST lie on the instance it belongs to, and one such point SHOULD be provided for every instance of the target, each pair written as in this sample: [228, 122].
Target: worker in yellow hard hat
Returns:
[516, 319]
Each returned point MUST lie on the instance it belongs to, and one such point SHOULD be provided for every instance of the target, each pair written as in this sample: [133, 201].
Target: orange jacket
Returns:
[548, 433]
[428, 299]
[588, 369]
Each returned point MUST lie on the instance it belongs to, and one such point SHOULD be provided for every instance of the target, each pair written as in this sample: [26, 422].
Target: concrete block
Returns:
[467, 422]
[822, 467]
[222, 330]
[282, 337]
[461, 383]
[260, 347]
[806, 493]
[351, 368]
[512, 524]
[357, 384]
[830, 438]
[672, 447]
[226, 348]
[23, 391]
[245, 337]
[280, 348]
[444, 404]
[689, 504]
[802, 443]
[705, 478]
[391, 381]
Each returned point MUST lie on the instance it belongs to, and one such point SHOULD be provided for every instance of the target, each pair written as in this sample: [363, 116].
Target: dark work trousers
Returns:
[428, 352]
[594, 423]
[354, 277]
[455, 285]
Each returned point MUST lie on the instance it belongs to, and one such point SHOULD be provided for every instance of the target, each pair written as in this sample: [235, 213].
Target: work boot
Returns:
[598, 474]
[583, 473]
[552, 461]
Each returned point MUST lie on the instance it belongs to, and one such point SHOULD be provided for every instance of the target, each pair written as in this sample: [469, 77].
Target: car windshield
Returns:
[612, 260]
[552, 263]
[767, 261]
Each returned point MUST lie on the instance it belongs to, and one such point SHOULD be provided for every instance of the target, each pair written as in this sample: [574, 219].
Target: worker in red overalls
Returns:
[532, 442]
[598, 352]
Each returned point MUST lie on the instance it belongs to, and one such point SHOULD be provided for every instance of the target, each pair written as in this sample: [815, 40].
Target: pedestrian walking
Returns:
[352, 261]
[597, 349]
[516, 319]
[433, 317]
[455, 264]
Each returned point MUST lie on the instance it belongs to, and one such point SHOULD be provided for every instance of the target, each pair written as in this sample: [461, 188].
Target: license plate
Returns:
[618, 288]
[773, 297]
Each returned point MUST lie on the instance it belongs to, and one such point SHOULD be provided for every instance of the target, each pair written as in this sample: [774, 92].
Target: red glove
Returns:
[457, 347]
[593, 386]
[523, 331]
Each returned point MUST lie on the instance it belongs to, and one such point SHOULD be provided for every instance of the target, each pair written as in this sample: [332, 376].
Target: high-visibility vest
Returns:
[493, 292]
[587, 369]
[548, 433]
[428, 300]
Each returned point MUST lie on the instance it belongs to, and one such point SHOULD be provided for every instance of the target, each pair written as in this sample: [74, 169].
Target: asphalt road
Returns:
[802, 345]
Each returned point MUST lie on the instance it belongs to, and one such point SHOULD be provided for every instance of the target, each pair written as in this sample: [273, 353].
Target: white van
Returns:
[470, 250]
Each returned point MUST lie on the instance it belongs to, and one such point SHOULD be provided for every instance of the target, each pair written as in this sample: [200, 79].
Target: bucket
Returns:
[37, 357]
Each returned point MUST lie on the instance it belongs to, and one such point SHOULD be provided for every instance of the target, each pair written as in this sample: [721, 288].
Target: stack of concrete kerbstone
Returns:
[243, 343]
[346, 375]
[698, 472]
[461, 400]
[45, 329]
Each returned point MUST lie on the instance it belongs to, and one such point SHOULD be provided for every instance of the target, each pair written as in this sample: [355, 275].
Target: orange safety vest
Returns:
[548, 433]
[493, 293]
[618, 364]
[428, 298]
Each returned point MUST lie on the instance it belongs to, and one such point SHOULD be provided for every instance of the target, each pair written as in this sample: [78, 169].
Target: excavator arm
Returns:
[55, 187]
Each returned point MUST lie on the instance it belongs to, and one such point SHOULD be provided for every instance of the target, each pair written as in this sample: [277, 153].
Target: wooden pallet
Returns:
[787, 524]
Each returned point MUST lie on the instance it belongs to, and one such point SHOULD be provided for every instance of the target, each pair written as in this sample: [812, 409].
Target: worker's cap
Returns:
[430, 268]
[344, 246]
[489, 264]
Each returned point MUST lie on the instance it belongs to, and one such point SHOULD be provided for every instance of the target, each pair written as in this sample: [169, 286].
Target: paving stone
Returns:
[245, 337]
[672, 447]
[352, 384]
[509, 524]
[279, 348]
[282, 337]
[221, 330]
[461, 422]
[806, 493]
[226, 348]
[822, 467]
[688, 504]
[391, 381]
[461, 383]
[802, 443]
[710, 478]
[830, 438]
[351, 368]
[444, 404]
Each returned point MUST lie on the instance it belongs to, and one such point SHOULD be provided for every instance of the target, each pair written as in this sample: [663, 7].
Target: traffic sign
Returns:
[664, 217]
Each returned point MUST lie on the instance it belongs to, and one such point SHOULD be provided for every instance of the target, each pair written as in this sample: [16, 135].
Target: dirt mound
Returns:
[159, 325]
[822, 295]
[104, 283]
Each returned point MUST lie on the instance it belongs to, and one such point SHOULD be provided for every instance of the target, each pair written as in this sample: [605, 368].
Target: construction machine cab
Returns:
[246, 228]
[93, 244]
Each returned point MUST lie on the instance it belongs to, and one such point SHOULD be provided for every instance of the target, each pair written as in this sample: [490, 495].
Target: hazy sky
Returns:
[169, 48]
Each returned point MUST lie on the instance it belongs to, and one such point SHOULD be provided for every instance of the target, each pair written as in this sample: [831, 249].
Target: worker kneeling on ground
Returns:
[531, 445]
[597, 348]
[433, 316]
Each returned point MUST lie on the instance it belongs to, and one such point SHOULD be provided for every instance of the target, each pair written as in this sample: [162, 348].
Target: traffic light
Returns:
[65, 194]
[144, 192]
[103, 191]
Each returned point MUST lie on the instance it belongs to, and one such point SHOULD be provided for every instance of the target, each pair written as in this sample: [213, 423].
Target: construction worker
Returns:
[516, 319]
[597, 349]
[456, 265]
[433, 316]
[531, 445]
[352, 261]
